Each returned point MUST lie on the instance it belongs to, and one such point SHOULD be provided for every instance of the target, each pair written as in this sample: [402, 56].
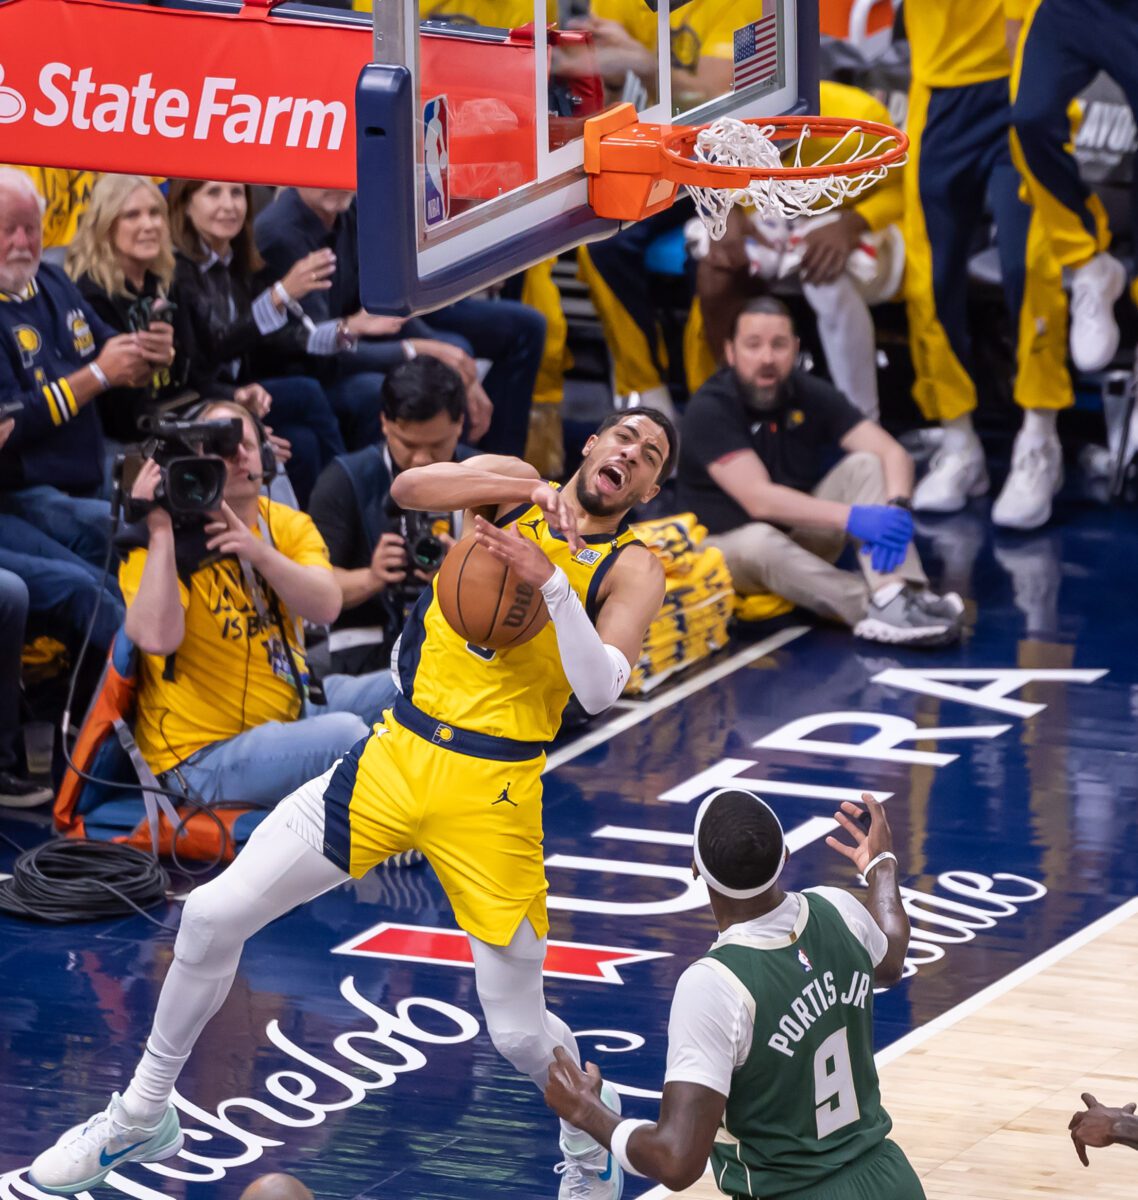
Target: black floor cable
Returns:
[66, 881]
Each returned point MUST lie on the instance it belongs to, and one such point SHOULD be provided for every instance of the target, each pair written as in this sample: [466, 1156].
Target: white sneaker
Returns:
[954, 476]
[1095, 287]
[85, 1155]
[1035, 478]
[591, 1173]
[912, 617]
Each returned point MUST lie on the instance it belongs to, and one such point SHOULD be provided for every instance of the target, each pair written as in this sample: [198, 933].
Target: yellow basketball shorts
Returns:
[477, 821]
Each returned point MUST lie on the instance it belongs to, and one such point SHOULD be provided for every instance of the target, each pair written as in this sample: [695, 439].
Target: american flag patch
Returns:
[756, 49]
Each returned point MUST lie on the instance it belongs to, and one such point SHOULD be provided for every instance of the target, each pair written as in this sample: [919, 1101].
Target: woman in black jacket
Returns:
[122, 261]
[243, 324]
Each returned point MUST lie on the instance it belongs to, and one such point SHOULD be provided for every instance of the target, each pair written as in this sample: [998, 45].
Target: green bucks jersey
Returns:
[806, 1101]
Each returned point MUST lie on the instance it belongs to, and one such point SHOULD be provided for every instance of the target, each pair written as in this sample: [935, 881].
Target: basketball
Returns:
[484, 602]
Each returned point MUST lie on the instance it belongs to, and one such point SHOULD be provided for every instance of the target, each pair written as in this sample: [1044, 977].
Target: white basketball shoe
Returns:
[1034, 480]
[1095, 287]
[589, 1171]
[956, 474]
[86, 1154]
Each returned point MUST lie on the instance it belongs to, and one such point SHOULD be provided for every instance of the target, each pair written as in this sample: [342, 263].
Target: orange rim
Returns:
[675, 148]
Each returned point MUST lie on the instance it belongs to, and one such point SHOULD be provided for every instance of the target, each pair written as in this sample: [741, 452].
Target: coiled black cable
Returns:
[78, 880]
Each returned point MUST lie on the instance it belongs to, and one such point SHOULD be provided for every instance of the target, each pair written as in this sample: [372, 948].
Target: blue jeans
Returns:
[355, 399]
[80, 525]
[63, 590]
[512, 336]
[13, 618]
[263, 765]
[301, 413]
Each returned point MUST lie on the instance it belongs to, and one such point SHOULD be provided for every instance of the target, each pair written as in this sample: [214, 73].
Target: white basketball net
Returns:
[735, 143]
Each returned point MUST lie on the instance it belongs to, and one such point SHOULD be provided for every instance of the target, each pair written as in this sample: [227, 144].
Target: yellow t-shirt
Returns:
[703, 27]
[230, 673]
[957, 42]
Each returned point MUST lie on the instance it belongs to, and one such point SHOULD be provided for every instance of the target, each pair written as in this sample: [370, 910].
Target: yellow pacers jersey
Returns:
[957, 42]
[518, 693]
[703, 27]
[232, 671]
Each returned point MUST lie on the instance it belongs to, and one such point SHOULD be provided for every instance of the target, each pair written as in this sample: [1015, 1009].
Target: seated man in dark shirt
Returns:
[756, 466]
[383, 558]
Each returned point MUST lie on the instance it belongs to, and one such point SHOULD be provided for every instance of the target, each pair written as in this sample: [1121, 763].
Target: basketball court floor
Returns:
[351, 1051]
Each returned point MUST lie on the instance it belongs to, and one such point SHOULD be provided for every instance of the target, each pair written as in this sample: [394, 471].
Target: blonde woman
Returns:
[122, 260]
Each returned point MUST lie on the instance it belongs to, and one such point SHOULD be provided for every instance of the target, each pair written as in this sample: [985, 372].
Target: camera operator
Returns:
[56, 356]
[382, 558]
[223, 670]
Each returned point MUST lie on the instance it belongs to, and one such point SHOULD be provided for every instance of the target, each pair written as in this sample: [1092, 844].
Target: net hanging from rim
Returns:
[783, 185]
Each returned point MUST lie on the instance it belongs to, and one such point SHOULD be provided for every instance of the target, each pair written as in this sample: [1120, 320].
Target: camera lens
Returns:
[195, 484]
[428, 553]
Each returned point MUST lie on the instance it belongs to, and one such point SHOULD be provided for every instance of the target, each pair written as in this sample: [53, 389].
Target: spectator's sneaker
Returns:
[897, 616]
[21, 793]
[1095, 287]
[957, 473]
[589, 1171]
[1035, 479]
[85, 1155]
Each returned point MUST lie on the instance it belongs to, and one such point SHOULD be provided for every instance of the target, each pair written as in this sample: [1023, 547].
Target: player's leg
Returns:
[1038, 305]
[845, 329]
[525, 1033]
[1059, 53]
[280, 867]
[951, 135]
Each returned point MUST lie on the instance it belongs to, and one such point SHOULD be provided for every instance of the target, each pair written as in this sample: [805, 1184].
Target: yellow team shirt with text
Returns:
[231, 672]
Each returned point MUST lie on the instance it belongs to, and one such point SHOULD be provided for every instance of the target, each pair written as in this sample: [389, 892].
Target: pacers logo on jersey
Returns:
[794, 418]
[29, 341]
[80, 331]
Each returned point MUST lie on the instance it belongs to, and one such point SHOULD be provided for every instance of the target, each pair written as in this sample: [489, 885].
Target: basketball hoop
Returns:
[635, 170]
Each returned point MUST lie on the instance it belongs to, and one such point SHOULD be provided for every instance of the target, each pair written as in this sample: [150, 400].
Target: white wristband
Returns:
[619, 1145]
[281, 293]
[100, 375]
[885, 854]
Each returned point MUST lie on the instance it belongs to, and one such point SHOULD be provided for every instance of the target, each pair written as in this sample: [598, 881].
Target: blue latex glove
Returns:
[885, 531]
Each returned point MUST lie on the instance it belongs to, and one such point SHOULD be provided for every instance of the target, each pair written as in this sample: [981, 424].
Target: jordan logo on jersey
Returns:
[504, 797]
[532, 525]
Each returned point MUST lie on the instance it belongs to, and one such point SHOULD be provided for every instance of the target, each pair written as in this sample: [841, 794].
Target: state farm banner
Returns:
[91, 85]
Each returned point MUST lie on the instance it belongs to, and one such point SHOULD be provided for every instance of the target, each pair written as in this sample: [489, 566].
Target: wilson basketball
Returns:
[484, 602]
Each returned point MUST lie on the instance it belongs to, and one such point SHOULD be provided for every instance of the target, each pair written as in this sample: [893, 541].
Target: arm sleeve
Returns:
[858, 921]
[596, 671]
[332, 507]
[709, 1030]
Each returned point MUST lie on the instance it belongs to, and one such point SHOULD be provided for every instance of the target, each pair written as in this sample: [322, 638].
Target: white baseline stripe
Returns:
[649, 708]
[982, 998]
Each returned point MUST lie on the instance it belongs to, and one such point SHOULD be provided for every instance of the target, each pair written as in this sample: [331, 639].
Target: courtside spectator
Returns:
[122, 261]
[15, 790]
[421, 416]
[56, 357]
[756, 442]
[509, 334]
[242, 325]
[226, 708]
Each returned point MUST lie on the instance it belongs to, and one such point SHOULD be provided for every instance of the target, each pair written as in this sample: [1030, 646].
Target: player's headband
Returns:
[709, 878]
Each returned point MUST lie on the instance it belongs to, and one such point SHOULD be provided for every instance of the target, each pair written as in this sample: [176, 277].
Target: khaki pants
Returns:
[798, 564]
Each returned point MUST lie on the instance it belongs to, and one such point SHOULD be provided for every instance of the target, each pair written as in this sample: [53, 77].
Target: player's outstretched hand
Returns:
[867, 845]
[1096, 1127]
[559, 516]
[571, 1092]
[522, 555]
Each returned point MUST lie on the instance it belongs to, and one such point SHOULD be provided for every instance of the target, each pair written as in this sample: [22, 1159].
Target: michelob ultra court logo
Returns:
[218, 110]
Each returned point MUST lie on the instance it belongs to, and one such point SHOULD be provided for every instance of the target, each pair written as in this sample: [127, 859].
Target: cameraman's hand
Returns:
[479, 411]
[446, 541]
[312, 273]
[228, 534]
[254, 397]
[156, 343]
[122, 362]
[145, 483]
[389, 561]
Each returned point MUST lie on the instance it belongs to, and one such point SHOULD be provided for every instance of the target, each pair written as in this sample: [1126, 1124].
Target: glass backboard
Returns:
[470, 120]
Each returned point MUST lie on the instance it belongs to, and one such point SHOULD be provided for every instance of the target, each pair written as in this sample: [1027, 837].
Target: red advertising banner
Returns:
[95, 85]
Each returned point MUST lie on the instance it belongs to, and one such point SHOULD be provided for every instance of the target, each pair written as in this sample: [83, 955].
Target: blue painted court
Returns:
[370, 1076]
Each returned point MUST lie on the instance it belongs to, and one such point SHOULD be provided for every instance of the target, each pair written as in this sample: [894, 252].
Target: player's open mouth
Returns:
[611, 478]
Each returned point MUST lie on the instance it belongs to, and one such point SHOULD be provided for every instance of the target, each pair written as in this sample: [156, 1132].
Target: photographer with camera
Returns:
[383, 557]
[226, 706]
[56, 356]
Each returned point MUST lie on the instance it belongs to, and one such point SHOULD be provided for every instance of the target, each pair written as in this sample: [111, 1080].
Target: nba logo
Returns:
[436, 184]
[807, 965]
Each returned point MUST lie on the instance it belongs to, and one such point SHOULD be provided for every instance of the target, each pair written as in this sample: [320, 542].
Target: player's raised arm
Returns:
[486, 481]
